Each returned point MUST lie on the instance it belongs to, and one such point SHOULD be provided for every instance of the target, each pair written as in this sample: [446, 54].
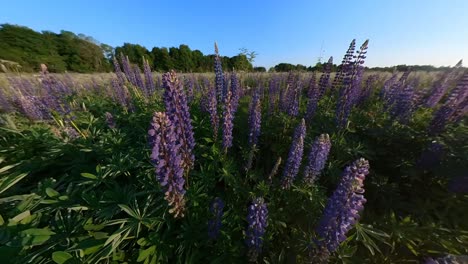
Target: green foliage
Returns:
[60, 52]
[95, 199]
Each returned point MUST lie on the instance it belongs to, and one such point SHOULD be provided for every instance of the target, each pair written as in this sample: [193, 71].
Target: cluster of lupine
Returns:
[346, 65]
[440, 87]
[255, 118]
[257, 219]
[317, 158]
[342, 209]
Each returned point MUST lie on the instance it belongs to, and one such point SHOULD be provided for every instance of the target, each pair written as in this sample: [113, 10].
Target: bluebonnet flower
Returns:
[317, 158]
[343, 207]
[167, 158]
[295, 156]
[214, 224]
[257, 219]
[255, 118]
[178, 112]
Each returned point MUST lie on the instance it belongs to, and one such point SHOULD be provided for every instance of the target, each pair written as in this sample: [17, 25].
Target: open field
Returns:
[144, 167]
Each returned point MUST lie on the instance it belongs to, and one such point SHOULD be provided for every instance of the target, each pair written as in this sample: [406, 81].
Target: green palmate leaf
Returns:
[61, 257]
[7, 182]
[129, 211]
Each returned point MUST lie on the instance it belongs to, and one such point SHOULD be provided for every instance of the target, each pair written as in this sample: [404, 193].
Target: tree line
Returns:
[24, 49]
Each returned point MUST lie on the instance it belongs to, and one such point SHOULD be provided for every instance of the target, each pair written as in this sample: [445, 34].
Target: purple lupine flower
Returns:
[368, 88]
[257, 219]
[214, 224]
[317, 158]
[454, 103]
[273, 93]
[219, 78]
[166, 155]
[325, 78]
[441, 86]
[178, 112]
[449, 259]
[312, 85]
[255, 119]
[71, 132]
[228, 118]
[118, 71]
[285, 93]
[121, 94]
[403, 105]
[440, 120]
[391, 94]
[346, 64]
[313, 95]
[388, 84]
[128, 69]
[32, 107]
[295, 156]
[212, 109]
[236, 91]
[138, 80]
[149, 82]
[110, 120]
[294, 97]
[349, 92]
[189, 86]
[343, 207]
[461, 111]
[432, 156]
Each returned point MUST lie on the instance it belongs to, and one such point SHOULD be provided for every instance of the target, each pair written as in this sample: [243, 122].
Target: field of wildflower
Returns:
[232, 167]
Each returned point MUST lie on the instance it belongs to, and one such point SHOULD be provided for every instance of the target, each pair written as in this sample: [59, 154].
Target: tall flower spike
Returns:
[343, 207]
[167, 159]
[178, 112]
[325, 78]
[317, 158]
[149, 82]
[257, 219]
[295, 156]
[255, 116]
[219, 77]
[228, 118]
[214, 224]
[345, 65]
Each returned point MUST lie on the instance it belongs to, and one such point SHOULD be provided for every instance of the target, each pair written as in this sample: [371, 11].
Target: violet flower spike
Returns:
[295, 156]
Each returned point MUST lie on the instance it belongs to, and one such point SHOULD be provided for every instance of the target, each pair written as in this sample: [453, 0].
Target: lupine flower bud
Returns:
[317, 158]
[257, 219]
[295, 156]
[167, 159]
[343, 207]
[214, 224]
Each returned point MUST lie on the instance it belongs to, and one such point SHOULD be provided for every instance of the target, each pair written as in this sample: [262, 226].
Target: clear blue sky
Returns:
[400, 32]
